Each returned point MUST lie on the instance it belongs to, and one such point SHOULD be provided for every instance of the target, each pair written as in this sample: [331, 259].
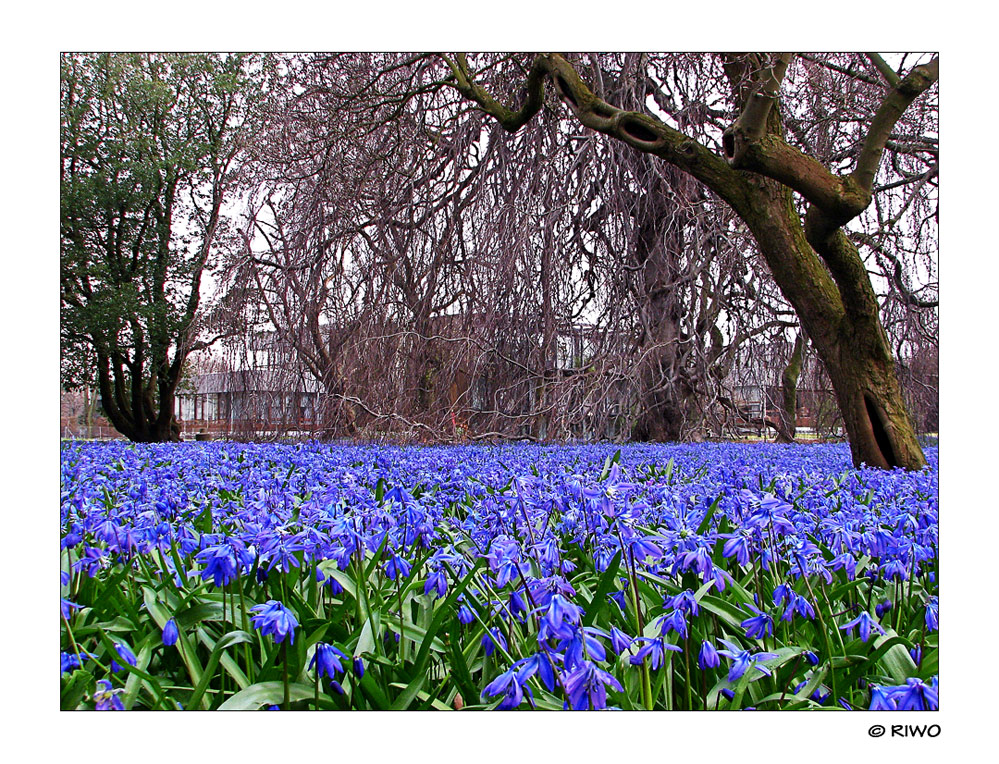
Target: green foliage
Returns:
[150, 151]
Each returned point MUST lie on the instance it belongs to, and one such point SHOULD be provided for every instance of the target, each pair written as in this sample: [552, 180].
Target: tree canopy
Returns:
[150, 149]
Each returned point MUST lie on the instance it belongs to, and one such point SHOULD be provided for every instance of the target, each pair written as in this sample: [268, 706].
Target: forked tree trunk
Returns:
[841, 319]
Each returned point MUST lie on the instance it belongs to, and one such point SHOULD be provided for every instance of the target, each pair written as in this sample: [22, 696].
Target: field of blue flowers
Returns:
[708, 576]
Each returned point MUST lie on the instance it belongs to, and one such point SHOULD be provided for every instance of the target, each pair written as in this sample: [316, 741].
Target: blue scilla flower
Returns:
[797, 605]
[619, 640]
[327, 662]
[674, 620]
[397, 567]
[742, 660]
[865, 623]
[67, 607]
[820, 695]
[932, 614]
[125, 653]
[559, 617]
[759, 625]
[587, 686]
[510, 685]
[618, 598]
[736, 546]
[170, 633]
[655, 648]
[220, 564]
[492, 639]
[781, 593]
[708, 657]
[881, 699]
[540, 664]
[106, 698]
[274, 619]
[465, 614]
[69, 662]
[685, 601]
[436, 582]
[916, 695]
[882, 607]
[573, 647]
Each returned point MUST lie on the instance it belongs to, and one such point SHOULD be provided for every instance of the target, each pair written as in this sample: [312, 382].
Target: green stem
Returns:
[284, 672]
[825, 637]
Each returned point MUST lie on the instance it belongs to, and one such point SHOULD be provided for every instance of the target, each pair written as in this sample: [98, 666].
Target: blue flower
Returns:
[510, 685]
[492, 639]
[932, 614]
[864, 622]
[557, 620]
[67, 607]
[540, 664]
[572, 647]
[797, 604]
[655, 648]
[326, 662]
[708, 656]
[170, 633]
[619, 640]
[587, 686]
[436, 582]
[742, 660]
[465, 614]
[397, 567]
[69, 662]
[125, 653]
[916, 695]
[220, 564]
[274, 619]
[106, 698]
[760, 625]
[674, 620]
[685, 601]
[737, 546]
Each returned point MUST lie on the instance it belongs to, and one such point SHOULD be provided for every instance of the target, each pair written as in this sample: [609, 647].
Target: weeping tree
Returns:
[150, 148]
[411, 246]
[798, 209]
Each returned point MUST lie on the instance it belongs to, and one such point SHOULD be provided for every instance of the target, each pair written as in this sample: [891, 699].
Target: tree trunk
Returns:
[661, 418]
[877, 421]
[788, 414]
[841, 318]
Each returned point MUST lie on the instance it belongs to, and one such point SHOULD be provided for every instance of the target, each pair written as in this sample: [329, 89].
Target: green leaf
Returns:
[262, 694]
[444, 611]
[604, 585]
[74, 688]
[706, 520]
[896, 660]
[227, 640]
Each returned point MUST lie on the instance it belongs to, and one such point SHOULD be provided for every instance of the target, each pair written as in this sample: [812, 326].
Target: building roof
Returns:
[274, 380]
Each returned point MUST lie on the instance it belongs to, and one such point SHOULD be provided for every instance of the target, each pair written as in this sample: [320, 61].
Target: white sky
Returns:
[37, 32]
